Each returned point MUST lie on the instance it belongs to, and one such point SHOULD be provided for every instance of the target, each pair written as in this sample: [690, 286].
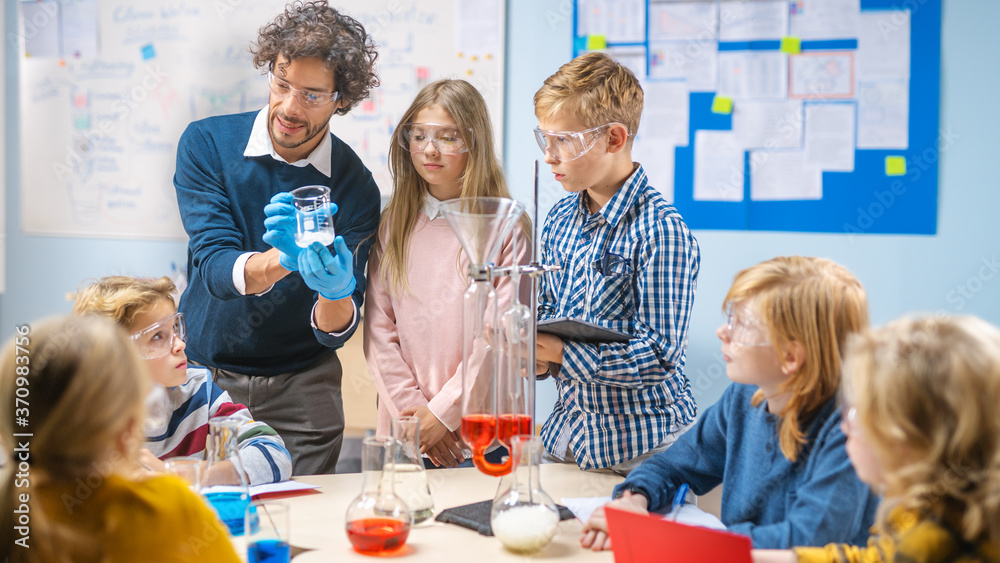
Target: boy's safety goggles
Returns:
[744, 329]
[569, 145]
[157, 339]
[446, 139]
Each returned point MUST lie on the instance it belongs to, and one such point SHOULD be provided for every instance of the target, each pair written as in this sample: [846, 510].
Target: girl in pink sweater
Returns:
[442, 149]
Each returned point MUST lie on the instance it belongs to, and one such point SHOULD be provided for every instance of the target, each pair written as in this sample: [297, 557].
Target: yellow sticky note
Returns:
[722, 104]
[895, 166]
[791, 45]
[596, 42]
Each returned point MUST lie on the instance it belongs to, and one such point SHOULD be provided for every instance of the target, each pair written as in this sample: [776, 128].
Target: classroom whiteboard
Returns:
[108, 87]
[784, 115]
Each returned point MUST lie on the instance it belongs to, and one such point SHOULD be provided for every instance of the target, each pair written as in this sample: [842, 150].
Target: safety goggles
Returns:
[307, 98]
[157, 339]
[569, 145]
[744, 329]
[446, 139]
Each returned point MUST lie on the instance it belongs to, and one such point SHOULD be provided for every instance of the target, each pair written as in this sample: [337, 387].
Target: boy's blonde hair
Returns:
[594, 88]
[483, 175]
[87, 389]
[123, 298]
[927, 393]
[816, 303]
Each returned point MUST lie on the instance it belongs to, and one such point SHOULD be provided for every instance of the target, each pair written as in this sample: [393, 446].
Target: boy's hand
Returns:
[548, 348]
[150, 462]
[773, 556]
[595, 531]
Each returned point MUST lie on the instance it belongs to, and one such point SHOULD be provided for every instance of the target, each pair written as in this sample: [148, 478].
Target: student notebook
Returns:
[576, 329]
[640, 538]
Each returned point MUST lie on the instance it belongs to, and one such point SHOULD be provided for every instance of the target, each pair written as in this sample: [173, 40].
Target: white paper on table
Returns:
[693, 516]
[695, 21]
[79, 29]
[632, 57]
[884, 45]
[40, 28]
[666, 112]
[768, 124]
[718, 166]
[657, 159]
[753, 74]
[830, 136]
[477, 28]
[280, 487]
[583, 507]
[821, 75]
[824, 19]
[620, 21]
[694, 61]
[740, 20]
[783, 175]
[883, 115]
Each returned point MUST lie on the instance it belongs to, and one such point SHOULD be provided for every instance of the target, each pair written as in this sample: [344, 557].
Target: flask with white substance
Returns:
[524, 517]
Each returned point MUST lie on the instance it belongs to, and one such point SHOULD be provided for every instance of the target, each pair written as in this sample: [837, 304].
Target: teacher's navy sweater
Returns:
[221, 195]
[779, 504]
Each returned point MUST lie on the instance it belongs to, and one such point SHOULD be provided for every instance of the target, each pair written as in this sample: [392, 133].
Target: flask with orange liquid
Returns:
[378, 521]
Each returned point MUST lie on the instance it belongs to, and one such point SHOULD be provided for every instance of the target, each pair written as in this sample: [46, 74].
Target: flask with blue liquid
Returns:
[226, 486]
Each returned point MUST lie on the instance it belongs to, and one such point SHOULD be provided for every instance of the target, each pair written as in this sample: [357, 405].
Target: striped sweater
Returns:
[184, 433]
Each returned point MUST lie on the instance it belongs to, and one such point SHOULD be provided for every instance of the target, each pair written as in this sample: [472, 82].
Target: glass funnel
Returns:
[378, 522]
[481, 225]
[524, 517]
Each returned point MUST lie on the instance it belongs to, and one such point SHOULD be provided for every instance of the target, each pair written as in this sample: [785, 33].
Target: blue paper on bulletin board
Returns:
[878, 196]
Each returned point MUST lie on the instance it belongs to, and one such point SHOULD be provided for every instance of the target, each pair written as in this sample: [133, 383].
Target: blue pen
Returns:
[675, 507]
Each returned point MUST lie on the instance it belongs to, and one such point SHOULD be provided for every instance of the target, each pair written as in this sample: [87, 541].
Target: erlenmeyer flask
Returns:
[378, 521]
[524, 517]
[410, 477]
[225, 484]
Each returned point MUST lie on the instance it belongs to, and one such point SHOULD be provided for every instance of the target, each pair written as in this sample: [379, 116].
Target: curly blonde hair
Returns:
[123, 298]
[817, 303]
[927, 392]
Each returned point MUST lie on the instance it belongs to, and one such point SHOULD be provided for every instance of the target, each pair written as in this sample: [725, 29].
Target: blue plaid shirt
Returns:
[633, 267]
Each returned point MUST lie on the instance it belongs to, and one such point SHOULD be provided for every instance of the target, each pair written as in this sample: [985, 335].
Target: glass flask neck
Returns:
[222, 439]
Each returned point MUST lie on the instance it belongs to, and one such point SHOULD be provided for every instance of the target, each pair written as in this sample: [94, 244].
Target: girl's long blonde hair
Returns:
[86, 387]
[816, 303]
[483, 176]
[927, 394]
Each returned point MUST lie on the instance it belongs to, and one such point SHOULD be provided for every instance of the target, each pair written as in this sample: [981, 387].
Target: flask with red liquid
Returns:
[378, 521]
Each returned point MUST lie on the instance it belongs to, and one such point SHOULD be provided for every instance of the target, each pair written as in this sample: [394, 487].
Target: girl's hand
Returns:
[595, 531]
[431, 429]
[447, 452]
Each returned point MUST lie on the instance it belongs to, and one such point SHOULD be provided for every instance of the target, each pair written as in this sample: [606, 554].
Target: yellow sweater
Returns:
[155, 520]
[906, 539]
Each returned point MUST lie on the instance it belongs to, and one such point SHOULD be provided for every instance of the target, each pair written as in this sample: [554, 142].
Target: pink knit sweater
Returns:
[413, 339]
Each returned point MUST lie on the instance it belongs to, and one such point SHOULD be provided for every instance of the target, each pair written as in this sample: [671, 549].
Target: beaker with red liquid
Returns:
[378, 521]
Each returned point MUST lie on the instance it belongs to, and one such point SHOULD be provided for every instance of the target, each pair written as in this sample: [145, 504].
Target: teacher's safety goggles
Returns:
[308, 98]
[446, 139]
[157, 339]
[744, 329]
[569, 145]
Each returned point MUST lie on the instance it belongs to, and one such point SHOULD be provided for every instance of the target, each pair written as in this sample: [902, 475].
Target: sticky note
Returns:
[791, 45]
[596, 42]
[148, 51]
[722, 104]
[895, 166]
[579, 44]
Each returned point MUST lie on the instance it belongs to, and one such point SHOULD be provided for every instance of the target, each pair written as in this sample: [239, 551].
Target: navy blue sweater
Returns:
[222, 195]
[815, 501]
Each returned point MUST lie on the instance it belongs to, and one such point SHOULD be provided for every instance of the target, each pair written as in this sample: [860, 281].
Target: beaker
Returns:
[224, 483]
[378, 522]
[410, 477]
[313, 220]
[524, 517]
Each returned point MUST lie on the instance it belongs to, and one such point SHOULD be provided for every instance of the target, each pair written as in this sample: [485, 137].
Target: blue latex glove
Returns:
[331, 276]
[280, 225]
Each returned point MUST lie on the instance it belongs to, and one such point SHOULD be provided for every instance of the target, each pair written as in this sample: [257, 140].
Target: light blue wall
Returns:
[902, 274]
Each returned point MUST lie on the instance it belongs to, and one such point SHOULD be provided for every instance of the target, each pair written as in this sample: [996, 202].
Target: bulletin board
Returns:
[784, 115]
[108, 86]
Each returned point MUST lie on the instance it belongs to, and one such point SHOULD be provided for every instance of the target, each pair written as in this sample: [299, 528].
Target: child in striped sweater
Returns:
[146, 309]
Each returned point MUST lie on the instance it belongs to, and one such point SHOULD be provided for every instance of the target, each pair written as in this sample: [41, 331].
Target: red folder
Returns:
[638, 538]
